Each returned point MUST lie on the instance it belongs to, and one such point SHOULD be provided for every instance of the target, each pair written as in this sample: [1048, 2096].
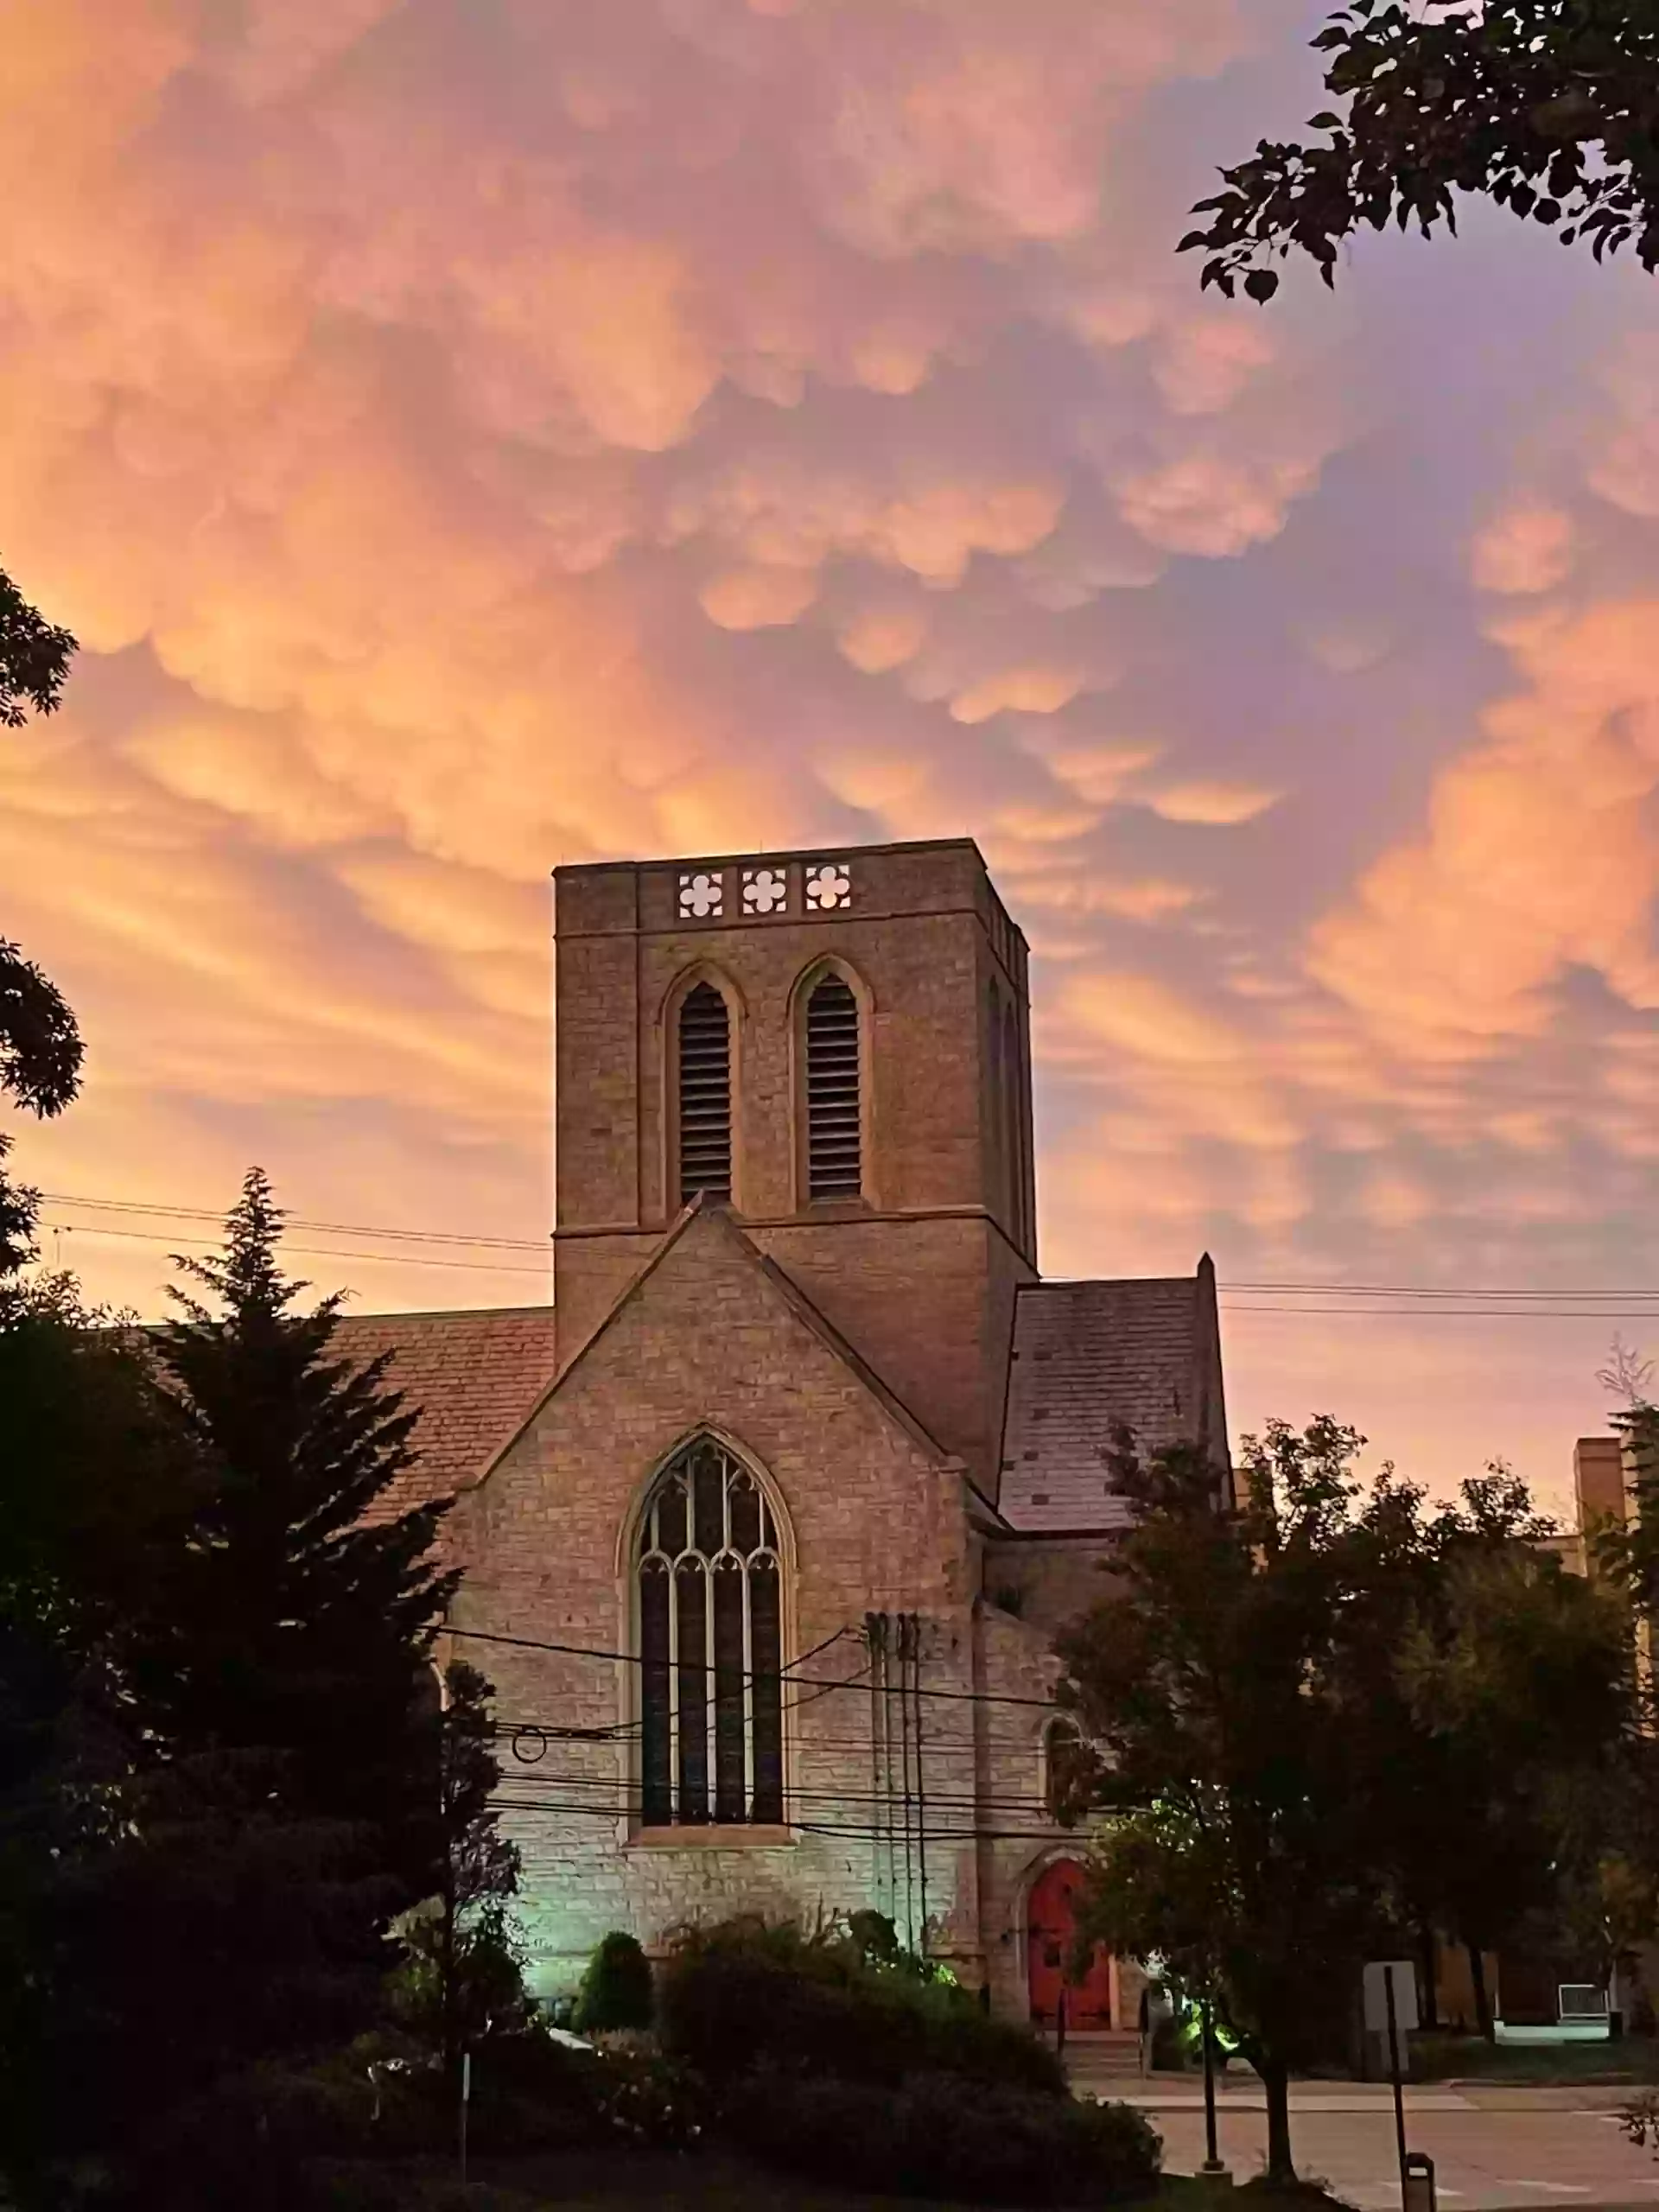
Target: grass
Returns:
[1469, 2058]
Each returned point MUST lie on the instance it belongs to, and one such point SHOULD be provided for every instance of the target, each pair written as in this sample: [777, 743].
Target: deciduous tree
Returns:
[1549, 108]
[1203, 1682]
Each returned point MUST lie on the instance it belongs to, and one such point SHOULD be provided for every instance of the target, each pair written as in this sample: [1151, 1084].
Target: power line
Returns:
[1422, 1290]
[1031, 1803]
[751, 1674]
[312, 1251]
[1292, 1289]
[1042, 1835]
[1516, 1311]
[1459, 1312]
[298, 1221]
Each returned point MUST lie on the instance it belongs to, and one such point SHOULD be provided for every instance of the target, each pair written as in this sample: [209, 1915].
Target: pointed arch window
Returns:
[709, 1579]
[835, 1120]
[1066, 1769]
[705, 1094]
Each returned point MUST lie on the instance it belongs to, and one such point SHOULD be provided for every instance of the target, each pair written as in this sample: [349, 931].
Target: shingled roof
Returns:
[474, 1377]
[1087, 1354]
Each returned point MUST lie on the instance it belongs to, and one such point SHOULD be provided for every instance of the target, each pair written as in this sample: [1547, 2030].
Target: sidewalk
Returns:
[1236, 2092]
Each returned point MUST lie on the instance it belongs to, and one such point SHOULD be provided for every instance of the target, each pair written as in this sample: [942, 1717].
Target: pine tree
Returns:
[298, 1624]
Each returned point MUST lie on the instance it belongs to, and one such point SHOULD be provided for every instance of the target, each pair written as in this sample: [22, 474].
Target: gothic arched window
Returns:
[705, 1094]
[1066, 1770]
[835, 1120]
[709, 1578]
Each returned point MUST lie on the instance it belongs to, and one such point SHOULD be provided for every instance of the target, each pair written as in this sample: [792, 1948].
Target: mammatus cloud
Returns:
[470, 441]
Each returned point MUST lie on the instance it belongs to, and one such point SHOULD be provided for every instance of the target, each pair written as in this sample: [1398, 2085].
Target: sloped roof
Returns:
[474, 1376]
[1087, 1354]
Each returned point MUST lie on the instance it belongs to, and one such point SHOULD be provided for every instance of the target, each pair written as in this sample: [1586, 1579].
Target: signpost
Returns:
[1390, 1994]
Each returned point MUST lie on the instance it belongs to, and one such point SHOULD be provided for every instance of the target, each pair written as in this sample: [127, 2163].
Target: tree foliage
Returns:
[616, 1990]
[1548, 107]
[1329, 1718]
[40, 1047]
[461, 1978]
[300, 1616]
[35, 657]
[220, 1778]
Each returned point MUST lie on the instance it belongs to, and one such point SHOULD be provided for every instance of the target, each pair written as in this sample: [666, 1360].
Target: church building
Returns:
[767, 1524]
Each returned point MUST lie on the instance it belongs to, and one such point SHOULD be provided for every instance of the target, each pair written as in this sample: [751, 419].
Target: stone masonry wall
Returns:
[708, 1339]
[918, 1273]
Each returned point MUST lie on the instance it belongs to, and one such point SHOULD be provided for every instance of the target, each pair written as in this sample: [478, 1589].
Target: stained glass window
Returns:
[710, 1579]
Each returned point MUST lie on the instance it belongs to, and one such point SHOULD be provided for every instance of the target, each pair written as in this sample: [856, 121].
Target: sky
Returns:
[471, 436]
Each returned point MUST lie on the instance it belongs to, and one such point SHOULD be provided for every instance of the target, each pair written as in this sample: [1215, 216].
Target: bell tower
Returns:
[837, 1046]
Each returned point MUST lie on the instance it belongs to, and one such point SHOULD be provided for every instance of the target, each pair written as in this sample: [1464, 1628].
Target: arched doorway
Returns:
[1050, 1917]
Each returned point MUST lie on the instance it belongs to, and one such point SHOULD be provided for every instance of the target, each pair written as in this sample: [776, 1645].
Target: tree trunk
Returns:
[1430, 1950]
[1276, 2085]
[449, 1992]
[1483, 2000]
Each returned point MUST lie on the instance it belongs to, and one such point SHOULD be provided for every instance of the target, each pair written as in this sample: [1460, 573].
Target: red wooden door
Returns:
[1049, 1917]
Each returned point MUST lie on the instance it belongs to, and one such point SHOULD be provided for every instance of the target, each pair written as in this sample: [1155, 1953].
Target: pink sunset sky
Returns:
[468, 435]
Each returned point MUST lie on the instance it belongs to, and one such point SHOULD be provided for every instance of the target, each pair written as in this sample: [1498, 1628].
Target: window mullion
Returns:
[748, 1699]
[711, 1701]
[673, 1693]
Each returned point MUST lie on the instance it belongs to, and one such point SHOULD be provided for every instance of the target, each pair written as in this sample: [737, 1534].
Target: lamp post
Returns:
[1212, 2169]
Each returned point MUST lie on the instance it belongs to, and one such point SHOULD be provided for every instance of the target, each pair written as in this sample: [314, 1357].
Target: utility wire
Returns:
[297, 1220]
[312, 1251]
[1459, 1312]
[749, 1673]
[1040, 1835]
[1292, 1289]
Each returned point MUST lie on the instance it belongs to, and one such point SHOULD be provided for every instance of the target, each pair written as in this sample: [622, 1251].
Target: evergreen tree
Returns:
[297, 1622]
[461, 1980]
[616, 1987]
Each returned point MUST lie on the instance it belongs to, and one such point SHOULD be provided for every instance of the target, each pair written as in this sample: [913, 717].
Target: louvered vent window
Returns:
[705, 1095]
[834, 1158]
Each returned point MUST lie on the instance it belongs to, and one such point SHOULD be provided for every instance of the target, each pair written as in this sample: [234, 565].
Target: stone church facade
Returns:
[768, 1523]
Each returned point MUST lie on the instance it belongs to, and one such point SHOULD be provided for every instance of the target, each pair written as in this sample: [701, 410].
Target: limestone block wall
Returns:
[875, 1523]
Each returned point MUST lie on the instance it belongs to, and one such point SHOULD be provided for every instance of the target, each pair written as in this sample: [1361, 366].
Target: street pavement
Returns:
[1492, 2146]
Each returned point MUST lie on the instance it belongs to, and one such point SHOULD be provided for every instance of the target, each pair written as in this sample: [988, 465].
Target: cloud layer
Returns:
[467, 442]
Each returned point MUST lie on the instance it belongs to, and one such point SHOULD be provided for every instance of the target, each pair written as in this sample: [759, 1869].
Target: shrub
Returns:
[743, 1993]
[937, 2135]
[656, 2103]
[249, 2142]
[616, 1989]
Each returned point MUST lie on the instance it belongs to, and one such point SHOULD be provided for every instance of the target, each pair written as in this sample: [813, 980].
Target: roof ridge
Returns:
[451, 1313]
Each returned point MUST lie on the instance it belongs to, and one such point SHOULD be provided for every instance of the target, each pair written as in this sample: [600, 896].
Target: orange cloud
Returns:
[1527, 549]
[1539, 853]
[1215, 803]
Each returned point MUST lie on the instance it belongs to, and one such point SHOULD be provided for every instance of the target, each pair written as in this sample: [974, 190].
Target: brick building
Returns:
[781, 1502]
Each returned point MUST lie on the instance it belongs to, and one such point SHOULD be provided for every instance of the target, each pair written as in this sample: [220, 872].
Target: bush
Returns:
[742, 1993]
[250, 2142]
[656, 2103]
[616, 1989]
[939, 2135]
